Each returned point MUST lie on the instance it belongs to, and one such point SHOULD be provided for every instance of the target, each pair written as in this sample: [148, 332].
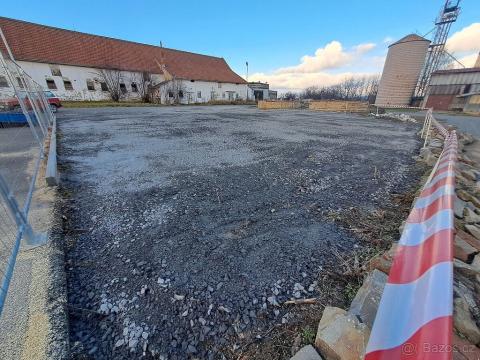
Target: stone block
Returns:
[466, 196]
[383, 262]
[463, 349]
[464, 322]
[365, 303]
[341, 336]
[469, 239]
[307, 353]
[473, 230]
[470, 216]
[459, 206]
[463, 250]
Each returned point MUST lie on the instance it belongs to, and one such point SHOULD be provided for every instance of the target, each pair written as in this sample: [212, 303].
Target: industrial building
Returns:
[261, 91]
[412, 60]
[456, 89]
[404, 63]
[79, 66]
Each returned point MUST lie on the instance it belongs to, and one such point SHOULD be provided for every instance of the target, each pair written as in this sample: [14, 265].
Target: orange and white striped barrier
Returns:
[414, 318]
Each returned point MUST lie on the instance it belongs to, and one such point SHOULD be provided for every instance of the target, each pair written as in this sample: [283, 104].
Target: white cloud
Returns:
[298, 81]
[329, 57]
[311, 69]
[467, 39]
[468, 60]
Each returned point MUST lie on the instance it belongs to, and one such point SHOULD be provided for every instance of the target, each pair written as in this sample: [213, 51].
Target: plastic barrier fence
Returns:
[414, 318]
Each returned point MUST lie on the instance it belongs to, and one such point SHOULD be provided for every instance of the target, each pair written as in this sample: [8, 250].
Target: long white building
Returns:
[79, 66]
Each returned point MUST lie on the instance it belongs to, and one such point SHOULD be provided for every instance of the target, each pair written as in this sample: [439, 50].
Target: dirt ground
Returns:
[187, 228]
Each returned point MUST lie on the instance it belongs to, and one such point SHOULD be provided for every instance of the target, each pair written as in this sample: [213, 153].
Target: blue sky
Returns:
[269, 34]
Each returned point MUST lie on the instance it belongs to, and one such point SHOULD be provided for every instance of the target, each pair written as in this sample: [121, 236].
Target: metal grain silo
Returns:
[401, 71]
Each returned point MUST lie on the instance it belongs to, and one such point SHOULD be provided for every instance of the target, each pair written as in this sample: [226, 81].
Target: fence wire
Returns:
[25, 122]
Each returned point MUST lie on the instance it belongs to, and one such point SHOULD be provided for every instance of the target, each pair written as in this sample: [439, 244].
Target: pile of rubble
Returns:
[344, 334]
[396, 116]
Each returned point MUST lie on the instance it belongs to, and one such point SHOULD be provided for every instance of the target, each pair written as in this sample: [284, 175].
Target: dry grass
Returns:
[96, 104]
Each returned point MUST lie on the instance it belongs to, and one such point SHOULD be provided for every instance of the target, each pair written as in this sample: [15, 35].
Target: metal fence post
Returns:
[20, 217]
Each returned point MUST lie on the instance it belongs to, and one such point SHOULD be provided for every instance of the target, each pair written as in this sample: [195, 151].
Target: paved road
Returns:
[466, 123]
[469, 124]
[186, 224]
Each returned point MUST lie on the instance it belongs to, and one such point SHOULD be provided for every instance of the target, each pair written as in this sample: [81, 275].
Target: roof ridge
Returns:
[109, 37]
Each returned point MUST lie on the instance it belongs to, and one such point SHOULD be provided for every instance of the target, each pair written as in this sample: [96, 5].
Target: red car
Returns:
[14, 104]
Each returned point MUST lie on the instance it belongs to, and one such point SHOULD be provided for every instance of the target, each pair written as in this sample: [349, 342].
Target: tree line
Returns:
[352, 88]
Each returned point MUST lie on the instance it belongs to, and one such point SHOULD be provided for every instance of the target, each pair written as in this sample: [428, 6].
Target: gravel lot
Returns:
[186, 226]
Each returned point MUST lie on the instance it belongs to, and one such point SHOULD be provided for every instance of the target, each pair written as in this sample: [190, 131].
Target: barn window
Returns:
[51, 84]
[467, 88]
[123, 88]
[180, 94]
[134, 87]
[55, 69]
[103, 86]
[219, 85]
[90, 85]
[192, 80]
[3, 81]
[199, 94]
[170, 94]
[68, 85]
[20, 83]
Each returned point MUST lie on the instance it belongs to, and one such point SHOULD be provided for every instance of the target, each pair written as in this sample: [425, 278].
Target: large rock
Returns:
[463, 349]
[365, 303]
[341, 336]
[383, 262]
[463, 321]
[469, 239]
[427, 156]
[470, 175]
[463, 250]
[476, 262]
[465, 269]
[474, 230]
[466, 196]
[307, 353]
[459, 206]
[471, 217]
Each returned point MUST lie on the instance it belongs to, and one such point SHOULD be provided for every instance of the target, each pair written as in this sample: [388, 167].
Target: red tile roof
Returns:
[45, 44]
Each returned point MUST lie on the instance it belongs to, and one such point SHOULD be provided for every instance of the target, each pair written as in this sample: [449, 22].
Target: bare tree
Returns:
[144, 85]
[290, 96]
[352, 88]
[170, 91]
[113, 79]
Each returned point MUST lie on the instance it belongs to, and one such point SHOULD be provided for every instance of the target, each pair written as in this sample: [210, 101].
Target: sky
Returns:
[290, 44]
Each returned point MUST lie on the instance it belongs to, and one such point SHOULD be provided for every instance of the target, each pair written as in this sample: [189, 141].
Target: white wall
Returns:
[78, 76]
[212, 91]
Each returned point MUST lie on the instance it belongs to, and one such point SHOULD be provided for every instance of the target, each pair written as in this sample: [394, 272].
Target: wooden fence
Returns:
[320, 105]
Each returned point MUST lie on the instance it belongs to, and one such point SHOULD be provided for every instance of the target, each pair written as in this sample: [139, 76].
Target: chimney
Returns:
[477, 63]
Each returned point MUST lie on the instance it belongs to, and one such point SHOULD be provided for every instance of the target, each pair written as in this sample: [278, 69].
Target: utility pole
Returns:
[246, 63]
